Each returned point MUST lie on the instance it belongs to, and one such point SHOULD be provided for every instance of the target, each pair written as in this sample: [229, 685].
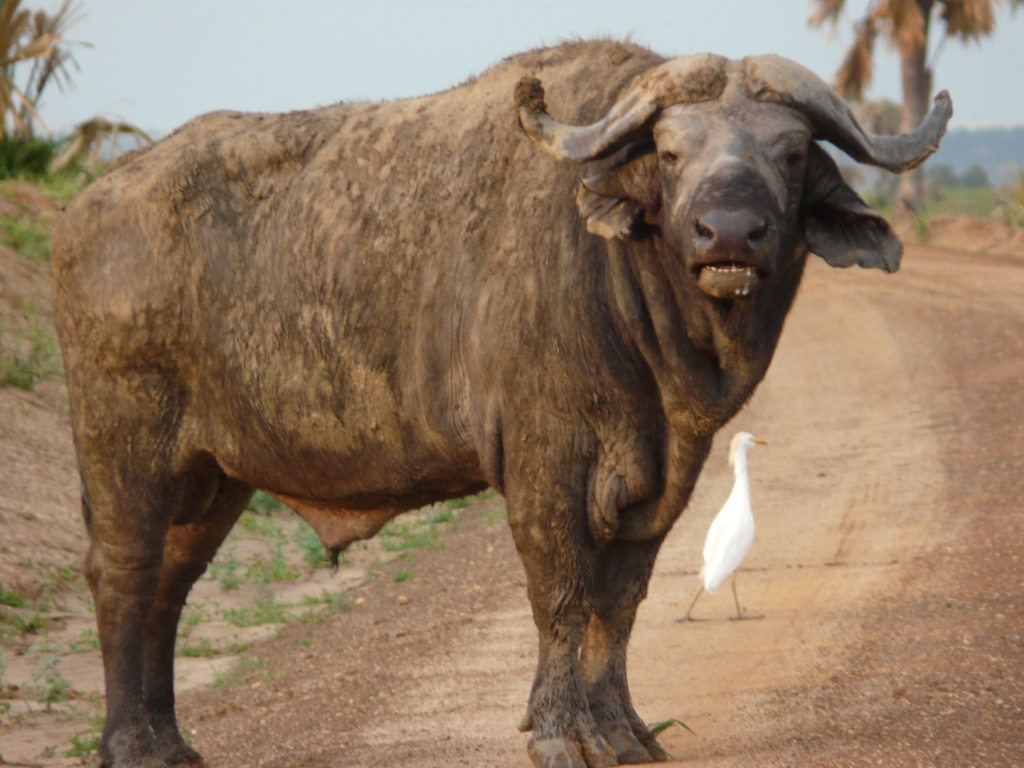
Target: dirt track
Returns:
[887, 564]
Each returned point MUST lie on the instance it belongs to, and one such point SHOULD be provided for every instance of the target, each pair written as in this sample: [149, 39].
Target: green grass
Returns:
[202, 650]
[83, 744]
[241, 672]
[265, 610]
[261, 524]
[29, 355]
[48, 685]
[980, 201]
[225, 570]
[11, 597]
[27, 235]
[87, 641]
[264, 504]
[401, 575]
[65, 184]
[313, 551]
[273, 568]
[400, 537]
[492, 516]
[191, 617]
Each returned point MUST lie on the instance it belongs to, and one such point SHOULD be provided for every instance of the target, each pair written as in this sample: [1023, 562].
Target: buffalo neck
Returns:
[706, 355]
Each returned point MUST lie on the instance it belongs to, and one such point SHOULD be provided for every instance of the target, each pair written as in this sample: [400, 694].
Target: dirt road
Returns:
[888, 567]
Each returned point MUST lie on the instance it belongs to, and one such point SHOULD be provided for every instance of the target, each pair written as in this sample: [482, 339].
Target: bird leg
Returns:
[739, 614]
[688, 617]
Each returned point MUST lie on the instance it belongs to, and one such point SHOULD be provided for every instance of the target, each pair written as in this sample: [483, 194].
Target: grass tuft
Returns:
[29, 355]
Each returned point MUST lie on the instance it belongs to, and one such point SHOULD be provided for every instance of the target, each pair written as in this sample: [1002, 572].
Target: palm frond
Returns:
[903, 22]
[857, 69]
[90, 138]
[970, 20]
[826, 12]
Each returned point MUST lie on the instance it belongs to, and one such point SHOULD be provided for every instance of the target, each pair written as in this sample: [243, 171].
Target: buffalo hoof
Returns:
[627, 747]
[566, 753]
[186, 757]
[131, 747]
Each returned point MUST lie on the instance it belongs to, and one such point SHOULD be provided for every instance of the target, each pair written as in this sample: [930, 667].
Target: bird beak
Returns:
[759, 441]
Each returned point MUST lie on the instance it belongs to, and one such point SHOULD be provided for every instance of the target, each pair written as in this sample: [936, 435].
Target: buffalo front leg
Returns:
[188, 551]
[555, 551]
[620, 584]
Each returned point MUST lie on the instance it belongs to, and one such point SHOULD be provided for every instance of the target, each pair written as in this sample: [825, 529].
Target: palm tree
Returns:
[37, 37]
[907, 23]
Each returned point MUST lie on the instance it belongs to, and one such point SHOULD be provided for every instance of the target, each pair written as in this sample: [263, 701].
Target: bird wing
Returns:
[733, 547]
[718, 527]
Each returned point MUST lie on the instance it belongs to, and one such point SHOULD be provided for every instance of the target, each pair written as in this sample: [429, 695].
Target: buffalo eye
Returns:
[795, 157]
[669, 157]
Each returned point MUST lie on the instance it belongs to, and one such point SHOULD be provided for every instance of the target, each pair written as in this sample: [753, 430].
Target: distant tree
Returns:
[943, 177]
[974, 178]
[37, 37]
[906, 23]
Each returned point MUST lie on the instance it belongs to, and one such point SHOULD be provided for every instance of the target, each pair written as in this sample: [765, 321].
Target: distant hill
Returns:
[1000, 151]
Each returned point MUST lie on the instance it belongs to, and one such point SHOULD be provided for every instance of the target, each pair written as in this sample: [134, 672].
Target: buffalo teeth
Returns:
[732, 268]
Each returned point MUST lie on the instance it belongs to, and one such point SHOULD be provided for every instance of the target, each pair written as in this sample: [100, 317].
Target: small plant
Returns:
[262, 503]
[1011, 198]
[202, 650]
[29, 237]
[274, 568]
[313, 551]
[656, 728]
[401, 575]
[241, 672]
[29, 355]
[236, 648]
[922, 227]
[33, 625]
[399, 537]
[3, 666]
[10, 597]
[191, 617]
[261, 525]
[225, 570]
[87, 641]
[494, 515]
[265, 610]
[83, 744]
[305, 642]
[48, 685]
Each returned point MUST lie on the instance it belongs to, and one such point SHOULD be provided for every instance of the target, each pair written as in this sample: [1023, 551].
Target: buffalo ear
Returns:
[839, 226]
[615, 201]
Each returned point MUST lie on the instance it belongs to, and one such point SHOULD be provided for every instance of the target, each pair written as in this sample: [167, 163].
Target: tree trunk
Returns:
[917, 89]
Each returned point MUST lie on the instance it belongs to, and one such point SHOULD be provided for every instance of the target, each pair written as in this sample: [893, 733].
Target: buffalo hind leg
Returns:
[123, 571]
[188, 551]
[620, 584]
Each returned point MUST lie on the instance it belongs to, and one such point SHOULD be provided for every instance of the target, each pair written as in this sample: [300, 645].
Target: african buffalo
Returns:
[368, 307]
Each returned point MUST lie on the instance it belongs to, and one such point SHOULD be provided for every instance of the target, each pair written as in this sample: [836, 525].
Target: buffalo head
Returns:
[720, 157]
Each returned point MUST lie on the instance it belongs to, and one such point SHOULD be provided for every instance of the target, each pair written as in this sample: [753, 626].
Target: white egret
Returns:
[732, 531]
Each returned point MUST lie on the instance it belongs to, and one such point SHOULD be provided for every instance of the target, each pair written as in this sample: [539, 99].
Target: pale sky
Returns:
[158, 63]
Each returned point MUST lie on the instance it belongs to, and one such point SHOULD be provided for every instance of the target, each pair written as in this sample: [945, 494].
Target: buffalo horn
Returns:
[775, 79]
[685, 80]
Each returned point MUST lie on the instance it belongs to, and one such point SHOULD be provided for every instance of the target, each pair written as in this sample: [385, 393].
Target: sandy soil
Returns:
[887, 566]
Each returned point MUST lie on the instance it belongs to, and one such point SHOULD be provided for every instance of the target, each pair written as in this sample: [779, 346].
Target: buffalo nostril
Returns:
[703, 231]
[758, 234]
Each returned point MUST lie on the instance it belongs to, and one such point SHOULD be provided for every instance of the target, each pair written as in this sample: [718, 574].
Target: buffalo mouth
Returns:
[728, 279]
